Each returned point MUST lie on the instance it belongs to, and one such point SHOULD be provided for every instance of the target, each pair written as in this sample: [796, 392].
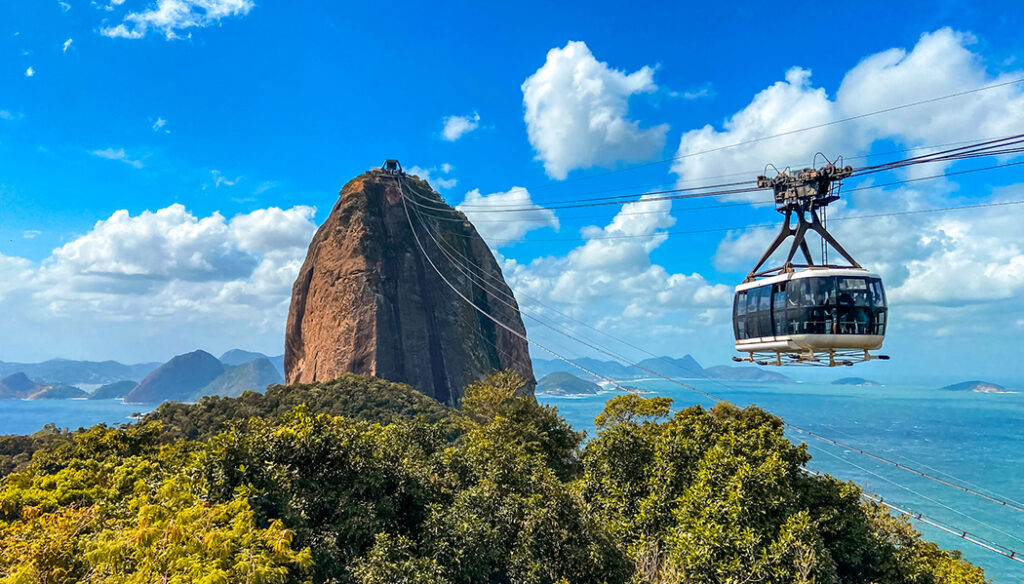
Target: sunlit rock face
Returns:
[367, 300]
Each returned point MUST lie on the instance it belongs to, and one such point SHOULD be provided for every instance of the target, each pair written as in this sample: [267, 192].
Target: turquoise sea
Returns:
[975, 437]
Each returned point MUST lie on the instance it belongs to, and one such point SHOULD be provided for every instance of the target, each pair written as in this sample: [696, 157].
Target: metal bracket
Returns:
[392, 167]
[802, 193]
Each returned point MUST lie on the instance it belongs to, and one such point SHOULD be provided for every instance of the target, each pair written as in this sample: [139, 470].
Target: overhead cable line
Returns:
[1011, 145]
[960, 533]
[796, 131]
[919, 494]
[704, 393]
[754, 172]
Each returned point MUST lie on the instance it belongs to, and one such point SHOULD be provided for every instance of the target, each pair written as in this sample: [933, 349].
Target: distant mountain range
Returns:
[684, 367]
[78, 372]
[186, 377]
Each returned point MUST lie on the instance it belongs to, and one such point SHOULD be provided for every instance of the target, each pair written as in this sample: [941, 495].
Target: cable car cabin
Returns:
[838, 314]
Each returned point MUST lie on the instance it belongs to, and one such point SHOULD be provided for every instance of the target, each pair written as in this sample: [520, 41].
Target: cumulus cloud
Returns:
[118, 154]
[170, 17]
[497, 227]
[159, 125]
[66, 45]
[611, 281]
[165, 273]
[30, 72]
[939, 64]
[457, 126]
[438, 176]
[577, 112]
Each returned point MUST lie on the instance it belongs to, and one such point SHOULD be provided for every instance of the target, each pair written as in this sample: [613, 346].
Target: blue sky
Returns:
[163, 163]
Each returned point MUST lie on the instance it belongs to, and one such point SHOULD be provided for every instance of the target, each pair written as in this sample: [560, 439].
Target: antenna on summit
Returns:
[392, 167]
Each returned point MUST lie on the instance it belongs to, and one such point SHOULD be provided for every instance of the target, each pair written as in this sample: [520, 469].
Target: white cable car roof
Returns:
[821, 272]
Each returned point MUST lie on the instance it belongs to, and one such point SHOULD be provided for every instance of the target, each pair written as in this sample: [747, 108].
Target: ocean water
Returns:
[27, 416]
[975, 437]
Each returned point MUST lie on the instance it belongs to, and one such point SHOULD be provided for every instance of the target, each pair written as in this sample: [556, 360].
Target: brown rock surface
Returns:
[367, 301]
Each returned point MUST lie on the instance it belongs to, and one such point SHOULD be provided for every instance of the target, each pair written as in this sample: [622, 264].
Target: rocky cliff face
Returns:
[367, 301]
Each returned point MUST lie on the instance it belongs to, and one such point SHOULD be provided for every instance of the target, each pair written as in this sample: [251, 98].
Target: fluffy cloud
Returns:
[939, 64]
[433, 175]
[576, 112]
[496, 226]
[168, 274]
[169, 17]
[457, 126]
[66, 45]
[615, 282]
[30, 72]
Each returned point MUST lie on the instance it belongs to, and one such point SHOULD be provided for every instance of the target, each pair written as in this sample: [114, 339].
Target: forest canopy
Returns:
[364, 481]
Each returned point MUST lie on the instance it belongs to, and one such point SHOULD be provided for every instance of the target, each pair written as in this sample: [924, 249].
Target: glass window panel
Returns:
[740, 303]
[752, 295]
[765, 295]
[793, 293]
[877, 292]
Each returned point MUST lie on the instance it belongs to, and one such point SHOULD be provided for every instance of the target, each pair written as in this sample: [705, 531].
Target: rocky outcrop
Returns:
[178, 379]
[367, 301]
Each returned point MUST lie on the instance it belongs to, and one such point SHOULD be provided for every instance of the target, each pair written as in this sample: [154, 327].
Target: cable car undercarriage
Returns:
[811, 313]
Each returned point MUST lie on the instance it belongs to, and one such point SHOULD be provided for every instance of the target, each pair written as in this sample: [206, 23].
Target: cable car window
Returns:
[779, 309]
[877, 293]
[765, 296]
[764, 312]
[752, 295]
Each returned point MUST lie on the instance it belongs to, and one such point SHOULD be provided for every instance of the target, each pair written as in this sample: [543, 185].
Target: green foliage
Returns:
[274, 489]
[632, 408]
[353, 396]
[16, 451]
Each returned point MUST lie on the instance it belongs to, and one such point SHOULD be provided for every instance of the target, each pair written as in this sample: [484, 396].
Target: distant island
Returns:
[977, 387]
[562, 383]
[855, 381]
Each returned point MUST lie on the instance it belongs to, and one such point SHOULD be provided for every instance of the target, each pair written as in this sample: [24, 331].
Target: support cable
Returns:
[960, 533]
[690, 387]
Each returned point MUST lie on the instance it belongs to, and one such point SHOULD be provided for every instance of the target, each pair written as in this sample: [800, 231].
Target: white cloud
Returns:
[66, 45]
[64, 6]
[30, 72]
[8, 115]
[220, 180]
[576, 112]
[939, 64]
[169, 276]
[169, 17]
[457, 126]
[117, 154]
[495, 226]
[438, 182]
[610, 280]
[31, 233]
